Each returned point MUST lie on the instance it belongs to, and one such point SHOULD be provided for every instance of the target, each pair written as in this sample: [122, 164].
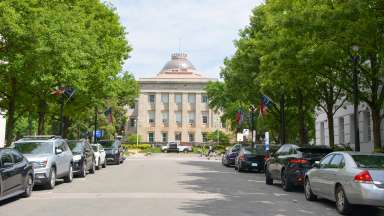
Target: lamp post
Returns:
[253, 110]
[355, 60]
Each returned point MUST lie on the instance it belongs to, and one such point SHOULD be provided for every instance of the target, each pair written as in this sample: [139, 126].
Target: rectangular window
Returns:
[204, 98]
[191, 117]
[191, 137]
[164, 117]
[164, 98]
[341, 131]
[151, 98]
[164, 137]
[205, 117]
[178, 98]
[151, 137]
[191, 98]
[205, 137]
[178, 136]
[151, 116]
[132, 122]
[178, 118]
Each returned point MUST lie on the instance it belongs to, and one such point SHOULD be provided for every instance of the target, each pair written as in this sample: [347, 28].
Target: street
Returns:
[172, 185]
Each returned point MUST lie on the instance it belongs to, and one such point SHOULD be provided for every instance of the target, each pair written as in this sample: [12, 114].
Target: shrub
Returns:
[140, 146]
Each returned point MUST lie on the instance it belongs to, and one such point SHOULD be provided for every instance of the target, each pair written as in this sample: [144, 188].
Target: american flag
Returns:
[265, 102]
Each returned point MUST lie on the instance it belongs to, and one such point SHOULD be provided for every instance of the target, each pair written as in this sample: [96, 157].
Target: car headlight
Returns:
[76, 158]
[39, 164]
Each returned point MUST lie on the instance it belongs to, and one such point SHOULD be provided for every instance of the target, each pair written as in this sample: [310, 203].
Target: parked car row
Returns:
[347, 178]
[41, 160]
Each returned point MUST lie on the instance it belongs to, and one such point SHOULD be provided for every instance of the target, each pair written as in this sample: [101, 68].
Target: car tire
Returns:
[93, 167]
[342, 204]
[28, 186]
[83, 171]
[309, 195]
[285, 183]
[268, 178]
[98, 167]
[69, 178]
[105, 163]
[51, 179]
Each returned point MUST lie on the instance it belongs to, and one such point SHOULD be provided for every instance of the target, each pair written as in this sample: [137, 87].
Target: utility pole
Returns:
[355, 59]
[94, 134]
[62, 116]
[282, 119]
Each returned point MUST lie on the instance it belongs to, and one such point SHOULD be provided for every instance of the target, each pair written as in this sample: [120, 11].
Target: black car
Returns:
[290, 163]
[83, 157]
[230, 155]
[16, 174]
[250, 159]
[114, 151]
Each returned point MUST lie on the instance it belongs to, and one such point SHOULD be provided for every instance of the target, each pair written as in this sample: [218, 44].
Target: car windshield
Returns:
[257, 150]
[76, 146]
[109, 144]
[95, 149]
[369, 161]
[34, 147]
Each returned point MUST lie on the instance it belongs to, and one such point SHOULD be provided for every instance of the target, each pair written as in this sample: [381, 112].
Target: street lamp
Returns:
[252, 110]
[355, 60]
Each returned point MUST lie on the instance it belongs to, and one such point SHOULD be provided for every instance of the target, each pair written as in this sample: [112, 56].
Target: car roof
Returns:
[359, 153]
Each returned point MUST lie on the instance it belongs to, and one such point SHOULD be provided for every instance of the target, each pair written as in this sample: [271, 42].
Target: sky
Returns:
[204, 29]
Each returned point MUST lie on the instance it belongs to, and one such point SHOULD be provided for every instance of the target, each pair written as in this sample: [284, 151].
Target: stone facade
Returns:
[173, 106]
[2, 130]
[344, 127]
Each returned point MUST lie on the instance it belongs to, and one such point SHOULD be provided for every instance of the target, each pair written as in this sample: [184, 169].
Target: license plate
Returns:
[254, 164]
[110, 159]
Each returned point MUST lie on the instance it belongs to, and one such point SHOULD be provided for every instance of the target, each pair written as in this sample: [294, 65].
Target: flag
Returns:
[239, 117]
[108, 113]
[265, 102]
[58, 91]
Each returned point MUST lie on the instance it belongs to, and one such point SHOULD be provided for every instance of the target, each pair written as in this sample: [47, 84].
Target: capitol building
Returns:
[173, 105]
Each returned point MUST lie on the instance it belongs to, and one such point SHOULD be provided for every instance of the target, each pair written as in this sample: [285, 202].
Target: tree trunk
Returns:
[331, 129]
[376, 120]
[302, 129]
[42, 111]
[10, 124]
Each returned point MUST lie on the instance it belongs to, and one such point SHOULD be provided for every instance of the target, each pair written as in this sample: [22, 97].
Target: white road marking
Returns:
[279, 194]
[192, 196]
[256, 181]
[305, 211]
[264, 202]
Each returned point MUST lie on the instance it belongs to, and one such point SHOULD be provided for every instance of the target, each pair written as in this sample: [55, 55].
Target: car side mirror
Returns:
[316, 164]
[59, 151]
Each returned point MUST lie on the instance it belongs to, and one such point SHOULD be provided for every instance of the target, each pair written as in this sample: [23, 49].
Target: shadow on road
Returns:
[247, 194]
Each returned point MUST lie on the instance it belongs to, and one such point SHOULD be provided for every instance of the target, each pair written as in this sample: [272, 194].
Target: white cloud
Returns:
[207, 29]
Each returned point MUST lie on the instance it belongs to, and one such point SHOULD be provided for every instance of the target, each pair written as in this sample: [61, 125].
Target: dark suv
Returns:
[83, 157]
[290, 163]
[114, 151]
[230, 155]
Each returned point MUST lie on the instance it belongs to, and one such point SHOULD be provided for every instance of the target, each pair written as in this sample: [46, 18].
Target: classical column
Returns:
[142, 120]
[184, 118]
[158, 122]
[198, 119]
[171, 117]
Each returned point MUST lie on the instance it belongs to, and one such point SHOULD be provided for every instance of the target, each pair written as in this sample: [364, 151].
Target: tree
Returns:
[218, 137]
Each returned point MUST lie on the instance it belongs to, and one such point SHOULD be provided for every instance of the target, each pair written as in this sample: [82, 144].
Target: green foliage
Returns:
[217, 135]
[140, 146]
[132, 138]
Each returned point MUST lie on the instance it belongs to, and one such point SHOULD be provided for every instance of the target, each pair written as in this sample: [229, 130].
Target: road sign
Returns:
[99, 133]
[239, 137]
[266, 141]
[246, 132]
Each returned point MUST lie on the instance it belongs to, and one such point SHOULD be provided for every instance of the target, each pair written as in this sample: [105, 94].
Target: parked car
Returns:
[50, 156]
[16, 174]
[290, 163]
[83, 157]
[114, 151]
[176, 147]
[250, 159]
[230, 155]
[349, 178]
[100, 154]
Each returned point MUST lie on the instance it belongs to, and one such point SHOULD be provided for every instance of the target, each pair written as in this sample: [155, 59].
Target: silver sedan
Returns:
[348, 178]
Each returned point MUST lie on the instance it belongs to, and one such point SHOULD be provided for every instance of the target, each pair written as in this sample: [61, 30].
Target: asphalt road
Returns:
[170, 185]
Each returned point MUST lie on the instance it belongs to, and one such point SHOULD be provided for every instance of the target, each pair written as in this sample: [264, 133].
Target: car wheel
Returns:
[285, 183]
[52, 179]
[93, 167]
[105, 163]
[83, 171]
[28, 186]
[69, 178]
[185, 150]
[268, 178]
[98, 164]
[308, 191]
[342, 204]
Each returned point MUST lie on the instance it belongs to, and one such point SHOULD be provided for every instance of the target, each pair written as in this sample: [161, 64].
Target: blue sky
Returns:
[206, 29]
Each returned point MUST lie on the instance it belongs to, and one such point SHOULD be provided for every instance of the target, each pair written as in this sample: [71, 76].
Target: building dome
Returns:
[179, 62]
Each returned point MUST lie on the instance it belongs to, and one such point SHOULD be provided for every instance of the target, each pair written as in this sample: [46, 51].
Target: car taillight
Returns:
[242, 157]
[298, 161]
[266, 157]
[363, 177]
